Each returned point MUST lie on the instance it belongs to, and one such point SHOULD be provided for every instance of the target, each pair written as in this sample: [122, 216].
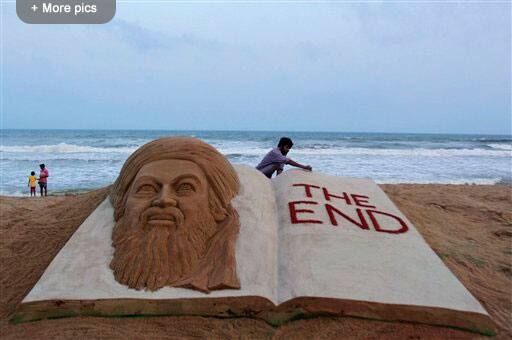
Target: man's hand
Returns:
[308, 168]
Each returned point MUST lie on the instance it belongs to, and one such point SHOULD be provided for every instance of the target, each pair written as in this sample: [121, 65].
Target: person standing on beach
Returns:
[32, 183]
[43, 180]
[276, 158]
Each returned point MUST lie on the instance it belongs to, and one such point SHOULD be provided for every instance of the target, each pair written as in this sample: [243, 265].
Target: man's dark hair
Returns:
[41, 166]
[285, 141]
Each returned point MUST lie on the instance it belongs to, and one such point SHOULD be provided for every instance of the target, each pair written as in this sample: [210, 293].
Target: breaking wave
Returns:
[500, 146]
[498, 150]
[416, 152]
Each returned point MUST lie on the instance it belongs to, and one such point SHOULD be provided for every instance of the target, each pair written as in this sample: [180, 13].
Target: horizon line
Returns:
[248, 130]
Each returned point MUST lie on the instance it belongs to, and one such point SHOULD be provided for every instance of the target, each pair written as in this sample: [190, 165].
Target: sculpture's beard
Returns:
[161, 250]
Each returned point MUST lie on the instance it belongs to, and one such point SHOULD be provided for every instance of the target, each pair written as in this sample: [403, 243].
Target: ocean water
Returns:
[86, 159]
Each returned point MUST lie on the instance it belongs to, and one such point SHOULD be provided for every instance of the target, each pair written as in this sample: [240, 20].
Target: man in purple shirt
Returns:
[276, 158]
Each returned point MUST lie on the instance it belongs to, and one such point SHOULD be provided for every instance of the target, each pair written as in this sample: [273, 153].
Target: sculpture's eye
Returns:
[185, 188]
[146, 189]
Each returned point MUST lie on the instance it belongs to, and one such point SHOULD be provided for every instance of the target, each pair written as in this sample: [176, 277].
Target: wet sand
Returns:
[468, 226]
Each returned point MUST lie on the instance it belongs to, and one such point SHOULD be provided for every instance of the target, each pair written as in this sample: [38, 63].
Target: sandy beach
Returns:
[468, 226]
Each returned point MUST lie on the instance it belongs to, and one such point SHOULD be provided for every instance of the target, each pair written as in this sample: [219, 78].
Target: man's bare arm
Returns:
[298, 165]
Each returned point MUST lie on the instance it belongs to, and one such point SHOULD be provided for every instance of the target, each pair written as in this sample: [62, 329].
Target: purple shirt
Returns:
[273, 157]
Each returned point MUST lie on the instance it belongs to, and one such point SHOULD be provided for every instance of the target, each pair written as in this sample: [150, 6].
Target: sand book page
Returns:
[345, 248]
[81, 272]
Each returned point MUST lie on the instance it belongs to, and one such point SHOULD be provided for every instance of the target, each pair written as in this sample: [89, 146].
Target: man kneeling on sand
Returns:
[276, 158]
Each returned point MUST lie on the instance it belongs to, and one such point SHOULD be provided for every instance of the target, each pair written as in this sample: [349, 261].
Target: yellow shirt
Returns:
[32, 180]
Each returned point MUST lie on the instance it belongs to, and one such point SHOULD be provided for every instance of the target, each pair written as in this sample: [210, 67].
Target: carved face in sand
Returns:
[172, 227]
[170, 194]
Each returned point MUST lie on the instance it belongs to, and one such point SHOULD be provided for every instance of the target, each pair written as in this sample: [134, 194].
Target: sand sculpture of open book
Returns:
[186, 233]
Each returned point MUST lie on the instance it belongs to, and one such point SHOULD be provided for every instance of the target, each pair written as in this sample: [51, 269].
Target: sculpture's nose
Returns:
[165, 198]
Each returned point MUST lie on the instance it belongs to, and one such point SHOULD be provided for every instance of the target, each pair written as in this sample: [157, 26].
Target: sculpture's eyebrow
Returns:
[187, 176]
[145, 179]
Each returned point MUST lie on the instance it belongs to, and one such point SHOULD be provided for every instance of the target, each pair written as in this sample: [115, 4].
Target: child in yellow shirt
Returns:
[32, 183]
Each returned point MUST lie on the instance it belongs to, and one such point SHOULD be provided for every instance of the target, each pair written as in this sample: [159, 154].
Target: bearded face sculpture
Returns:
[175, 225]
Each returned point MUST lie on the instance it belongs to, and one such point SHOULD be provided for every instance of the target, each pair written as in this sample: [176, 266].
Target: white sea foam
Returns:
[459, 181]
[501, 150]
[416, 152]
[500, 146]
[478, 181]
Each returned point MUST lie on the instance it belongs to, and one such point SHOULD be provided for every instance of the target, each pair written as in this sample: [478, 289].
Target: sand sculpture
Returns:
[307, 244]
[174, 222]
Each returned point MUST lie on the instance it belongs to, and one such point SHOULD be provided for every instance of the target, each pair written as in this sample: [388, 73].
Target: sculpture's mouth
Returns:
[162, 217]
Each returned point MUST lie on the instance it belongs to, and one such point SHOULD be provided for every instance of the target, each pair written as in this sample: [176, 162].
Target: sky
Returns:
[409, 67]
